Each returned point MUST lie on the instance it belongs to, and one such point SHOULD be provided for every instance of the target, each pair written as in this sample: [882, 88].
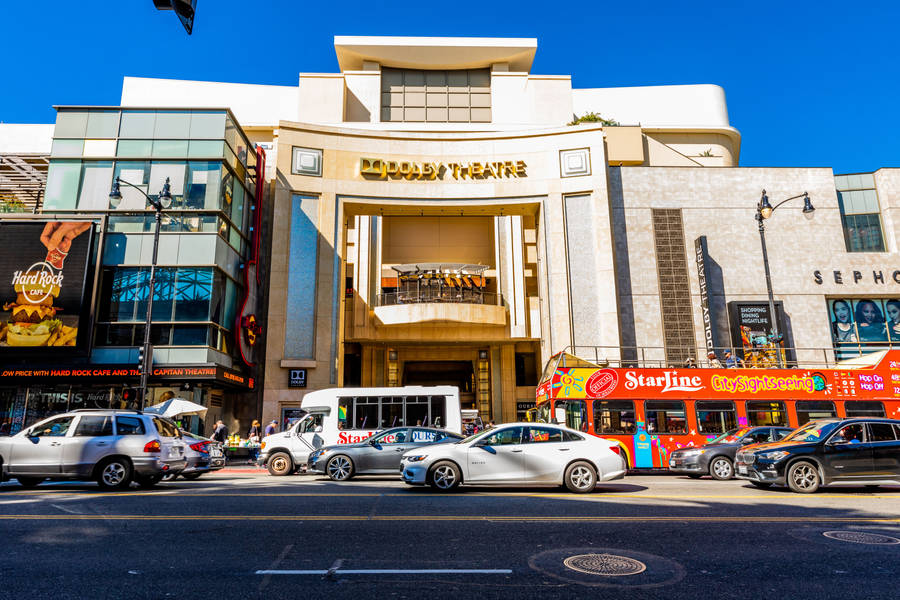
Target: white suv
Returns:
[112, 447]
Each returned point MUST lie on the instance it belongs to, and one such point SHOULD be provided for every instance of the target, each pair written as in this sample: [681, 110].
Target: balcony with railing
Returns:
[440, 292]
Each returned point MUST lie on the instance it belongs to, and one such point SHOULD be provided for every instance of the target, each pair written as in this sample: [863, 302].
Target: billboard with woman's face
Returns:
[862, 325]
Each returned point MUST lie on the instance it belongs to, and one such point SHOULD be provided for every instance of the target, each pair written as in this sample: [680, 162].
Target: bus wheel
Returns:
[280, 463]
[721, 468]
[580, 478]
[339, 468]
[445, 476]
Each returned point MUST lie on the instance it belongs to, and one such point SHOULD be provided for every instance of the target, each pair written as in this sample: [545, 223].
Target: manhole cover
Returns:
[859, 537]
[607, 565]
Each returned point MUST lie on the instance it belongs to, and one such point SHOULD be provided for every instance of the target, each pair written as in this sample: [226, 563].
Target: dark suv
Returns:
[823, 452]
[717, 457]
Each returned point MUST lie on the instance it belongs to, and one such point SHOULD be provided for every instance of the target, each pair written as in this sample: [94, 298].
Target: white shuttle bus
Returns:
[351, 415]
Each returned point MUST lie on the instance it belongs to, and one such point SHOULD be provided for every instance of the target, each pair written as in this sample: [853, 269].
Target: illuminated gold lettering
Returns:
[391, 167]
[476, 170]
[436, 169]
[520, 168]
[455, 167]
[508, 169]
[489, 170]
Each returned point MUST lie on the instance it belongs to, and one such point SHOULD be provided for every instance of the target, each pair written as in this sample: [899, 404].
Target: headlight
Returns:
[692, 452]
[417, 458]
[317, 454]
[775, 455]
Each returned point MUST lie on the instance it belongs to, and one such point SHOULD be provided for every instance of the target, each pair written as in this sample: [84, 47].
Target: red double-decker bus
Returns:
[651, 412]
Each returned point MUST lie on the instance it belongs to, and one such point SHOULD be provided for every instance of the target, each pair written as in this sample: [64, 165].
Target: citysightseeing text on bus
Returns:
[757, 384]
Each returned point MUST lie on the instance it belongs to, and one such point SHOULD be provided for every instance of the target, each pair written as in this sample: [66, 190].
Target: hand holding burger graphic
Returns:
[32, 319]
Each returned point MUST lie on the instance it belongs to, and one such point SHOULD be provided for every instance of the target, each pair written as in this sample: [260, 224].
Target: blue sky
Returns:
[807, 83]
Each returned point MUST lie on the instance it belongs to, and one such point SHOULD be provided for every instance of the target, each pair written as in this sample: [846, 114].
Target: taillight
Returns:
[200, 447]
[153, 446]
[616, 449]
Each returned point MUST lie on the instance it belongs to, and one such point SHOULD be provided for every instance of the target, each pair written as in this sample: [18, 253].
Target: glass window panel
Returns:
[138, 174]
[67, 148]
[193, 292]
[840, 182]
[205, 148]
[164, 296]
[115, 335]
[134, 148]
[207, 125]
[614, 416]
[391, 80]
[480, 78]
[234, 238]
[864, 408]
[715, 417]
[867, 180]
[91, 426]
[70, 124]
[237, 205]
[102, 124]
[203, 185]
[435, 79]
[854, 182]
[129, 224]
[231, 303]
[764, 412]
[118, 297]
[137, 124]
[169, 148]
[96, 182]
[172, 125]
[458, 79]
[665, 416]
[414, 79]
[809, 410]
[175, 171]
[217, 298]
[99, 148]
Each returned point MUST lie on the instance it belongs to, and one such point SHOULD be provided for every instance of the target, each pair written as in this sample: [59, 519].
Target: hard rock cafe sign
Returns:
[409, 170]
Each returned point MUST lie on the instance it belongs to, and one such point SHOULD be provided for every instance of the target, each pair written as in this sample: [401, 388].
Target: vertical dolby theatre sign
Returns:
[709, 330]
[409, 170]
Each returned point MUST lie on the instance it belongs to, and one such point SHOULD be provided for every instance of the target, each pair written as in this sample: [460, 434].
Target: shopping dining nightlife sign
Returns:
[45, 287]
[880, 381]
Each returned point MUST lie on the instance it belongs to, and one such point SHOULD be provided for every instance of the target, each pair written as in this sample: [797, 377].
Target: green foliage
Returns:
[593, 117]
[706, 153]
[12, 205]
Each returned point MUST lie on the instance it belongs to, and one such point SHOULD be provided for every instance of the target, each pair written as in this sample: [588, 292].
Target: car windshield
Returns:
[474, 437]
[811, 432]
[730, 436]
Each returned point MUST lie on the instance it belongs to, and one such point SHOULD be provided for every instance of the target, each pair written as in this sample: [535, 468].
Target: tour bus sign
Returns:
[722, 384]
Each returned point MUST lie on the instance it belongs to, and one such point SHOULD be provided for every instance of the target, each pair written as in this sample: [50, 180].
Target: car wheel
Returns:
[149, 481]
[192, 476]
[339, 468]
[445, 476]
[280, 463]
[114, 474]
[721, 468]
[763, 485]
[803, 477]
[580, 478]
[30, 482]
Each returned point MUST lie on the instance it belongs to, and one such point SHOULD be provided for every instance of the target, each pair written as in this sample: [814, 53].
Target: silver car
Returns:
[112, 447]
[379, 454]
[203, 455]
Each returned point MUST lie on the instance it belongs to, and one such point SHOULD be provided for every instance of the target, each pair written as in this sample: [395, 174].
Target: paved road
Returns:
[249, 535]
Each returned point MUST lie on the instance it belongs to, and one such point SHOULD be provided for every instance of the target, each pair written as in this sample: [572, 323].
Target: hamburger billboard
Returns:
[45, 287]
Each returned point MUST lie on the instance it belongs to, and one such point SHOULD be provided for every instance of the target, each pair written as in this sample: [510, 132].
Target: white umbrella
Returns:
[177, 407]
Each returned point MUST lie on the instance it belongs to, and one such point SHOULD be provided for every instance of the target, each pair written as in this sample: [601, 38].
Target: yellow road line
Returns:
[501, 518]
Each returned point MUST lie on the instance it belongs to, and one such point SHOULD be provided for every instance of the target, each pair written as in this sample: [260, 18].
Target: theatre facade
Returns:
[436, 213]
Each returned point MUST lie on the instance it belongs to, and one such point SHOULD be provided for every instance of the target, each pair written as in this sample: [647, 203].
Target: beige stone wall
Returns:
[721, 204]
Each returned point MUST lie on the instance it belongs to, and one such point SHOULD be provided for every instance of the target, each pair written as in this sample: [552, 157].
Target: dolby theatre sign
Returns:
[409, 170]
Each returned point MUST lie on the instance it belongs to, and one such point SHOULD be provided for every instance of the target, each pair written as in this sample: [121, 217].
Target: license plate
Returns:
[742, 470]
[174, 452]
[215, 451]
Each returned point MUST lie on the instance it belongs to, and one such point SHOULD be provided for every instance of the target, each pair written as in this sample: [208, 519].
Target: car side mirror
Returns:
[747, 440]
[373, 442]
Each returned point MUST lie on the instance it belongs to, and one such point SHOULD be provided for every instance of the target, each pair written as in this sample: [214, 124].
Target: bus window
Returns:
[765, 412]
[312, 423]
[715, 416]
[417, 411]
[365, 412]
[391, 411]
[864, 408]
[810, 410]
[345, 412]
[614, 416]
[665, 416]
[438, 411]
[575, 413]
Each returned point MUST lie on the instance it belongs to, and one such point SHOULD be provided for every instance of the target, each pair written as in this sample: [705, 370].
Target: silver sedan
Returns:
[517, 454]
[378, 454]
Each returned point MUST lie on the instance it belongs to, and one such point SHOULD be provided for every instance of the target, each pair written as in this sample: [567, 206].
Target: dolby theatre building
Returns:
[435, 218]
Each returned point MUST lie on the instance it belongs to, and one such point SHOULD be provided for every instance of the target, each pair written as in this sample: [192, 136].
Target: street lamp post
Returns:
[162, 202]
[764, 210]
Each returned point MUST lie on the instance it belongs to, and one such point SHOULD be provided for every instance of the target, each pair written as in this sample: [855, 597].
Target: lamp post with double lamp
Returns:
[164, 201]
[764, 210]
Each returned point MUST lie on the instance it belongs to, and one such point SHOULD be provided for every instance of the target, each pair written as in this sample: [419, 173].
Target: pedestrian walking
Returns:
[220, 433]
[272, 427]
